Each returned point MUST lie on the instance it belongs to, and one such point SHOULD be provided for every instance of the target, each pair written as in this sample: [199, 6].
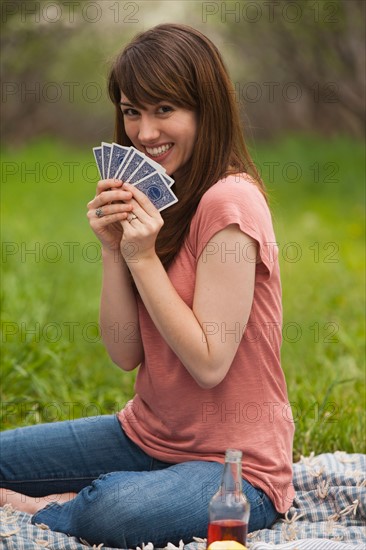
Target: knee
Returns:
[108, 493]
[106, 511]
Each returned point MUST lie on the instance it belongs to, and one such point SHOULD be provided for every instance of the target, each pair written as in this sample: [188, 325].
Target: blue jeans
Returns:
[125, 497]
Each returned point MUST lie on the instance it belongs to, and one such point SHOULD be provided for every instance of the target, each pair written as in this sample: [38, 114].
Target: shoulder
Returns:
[237, 200]
[236, 194]
[239, 189]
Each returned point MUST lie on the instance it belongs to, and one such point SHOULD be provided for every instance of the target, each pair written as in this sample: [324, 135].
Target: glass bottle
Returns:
[229, 509]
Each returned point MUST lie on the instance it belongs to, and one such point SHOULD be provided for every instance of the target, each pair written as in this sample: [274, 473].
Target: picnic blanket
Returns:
[328, 513]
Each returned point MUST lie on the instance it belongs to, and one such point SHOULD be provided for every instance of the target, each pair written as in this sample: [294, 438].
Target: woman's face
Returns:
[164, 132]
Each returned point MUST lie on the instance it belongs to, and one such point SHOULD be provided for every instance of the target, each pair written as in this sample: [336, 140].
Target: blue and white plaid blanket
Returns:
[328, 513]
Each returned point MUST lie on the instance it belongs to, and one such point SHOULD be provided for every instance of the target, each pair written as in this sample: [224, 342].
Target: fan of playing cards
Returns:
[131, 166]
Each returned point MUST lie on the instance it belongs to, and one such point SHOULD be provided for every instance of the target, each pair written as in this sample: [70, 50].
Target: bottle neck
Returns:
[231, 480]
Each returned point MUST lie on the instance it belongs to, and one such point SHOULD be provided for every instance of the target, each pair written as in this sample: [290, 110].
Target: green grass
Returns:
[54, 365]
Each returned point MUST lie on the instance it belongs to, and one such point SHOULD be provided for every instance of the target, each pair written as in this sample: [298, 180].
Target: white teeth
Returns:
[156, 151]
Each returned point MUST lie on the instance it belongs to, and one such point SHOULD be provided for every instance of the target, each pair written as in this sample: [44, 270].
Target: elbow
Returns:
[126, 366]
[126, 363]
[211, 377]
[206, 384]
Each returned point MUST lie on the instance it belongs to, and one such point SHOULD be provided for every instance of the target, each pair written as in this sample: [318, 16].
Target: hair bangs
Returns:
[146, 78]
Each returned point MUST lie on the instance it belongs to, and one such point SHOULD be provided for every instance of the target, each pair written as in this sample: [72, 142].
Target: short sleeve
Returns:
[235, 200]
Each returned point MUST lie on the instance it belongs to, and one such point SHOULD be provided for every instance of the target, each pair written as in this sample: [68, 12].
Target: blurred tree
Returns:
[298, 65]
[30, 45]
[54, 65]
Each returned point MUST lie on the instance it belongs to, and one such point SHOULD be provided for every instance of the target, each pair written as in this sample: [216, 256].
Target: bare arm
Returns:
[223, 296]
[222, 301]
[118, 312]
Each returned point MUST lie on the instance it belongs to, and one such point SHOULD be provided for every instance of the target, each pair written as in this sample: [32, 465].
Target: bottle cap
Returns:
[233, 455]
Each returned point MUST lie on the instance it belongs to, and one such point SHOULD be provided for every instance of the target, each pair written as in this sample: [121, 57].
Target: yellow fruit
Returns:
[226, 545]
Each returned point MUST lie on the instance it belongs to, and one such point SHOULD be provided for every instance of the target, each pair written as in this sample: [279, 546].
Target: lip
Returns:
[161, 157]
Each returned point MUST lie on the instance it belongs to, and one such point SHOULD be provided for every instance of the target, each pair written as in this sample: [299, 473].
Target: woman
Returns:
[200, 287]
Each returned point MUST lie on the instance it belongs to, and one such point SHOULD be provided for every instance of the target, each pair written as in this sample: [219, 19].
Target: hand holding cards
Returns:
[132, 166]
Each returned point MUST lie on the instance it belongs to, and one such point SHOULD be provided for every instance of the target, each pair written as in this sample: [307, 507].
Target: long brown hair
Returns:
[177, 63]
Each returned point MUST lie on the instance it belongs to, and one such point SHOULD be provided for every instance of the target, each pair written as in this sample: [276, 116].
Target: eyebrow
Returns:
[125, 104]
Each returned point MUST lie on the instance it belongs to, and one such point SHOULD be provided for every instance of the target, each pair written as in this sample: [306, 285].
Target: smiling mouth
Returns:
[157, 151]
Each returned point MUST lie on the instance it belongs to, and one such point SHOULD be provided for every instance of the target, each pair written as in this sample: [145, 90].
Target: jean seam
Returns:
[79, 478]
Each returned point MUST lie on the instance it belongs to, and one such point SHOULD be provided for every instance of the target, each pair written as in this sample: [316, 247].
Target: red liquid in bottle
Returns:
[227, 529]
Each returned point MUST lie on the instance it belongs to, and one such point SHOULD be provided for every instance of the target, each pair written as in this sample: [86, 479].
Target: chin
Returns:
[170, 171]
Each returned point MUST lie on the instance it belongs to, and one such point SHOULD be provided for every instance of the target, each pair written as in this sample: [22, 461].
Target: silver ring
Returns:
[133, 217]
[99, 213]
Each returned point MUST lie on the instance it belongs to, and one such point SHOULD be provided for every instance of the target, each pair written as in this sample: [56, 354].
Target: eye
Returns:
[165, 109]
[129, 112]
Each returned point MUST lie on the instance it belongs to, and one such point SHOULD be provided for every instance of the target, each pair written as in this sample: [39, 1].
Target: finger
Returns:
[106, 197]
[111, 183]
[138, 211]
[128, 228]
[109, 209]
[142, 200]
[99, 223]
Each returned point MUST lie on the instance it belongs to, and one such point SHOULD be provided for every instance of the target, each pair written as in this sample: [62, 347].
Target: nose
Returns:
[148, 130]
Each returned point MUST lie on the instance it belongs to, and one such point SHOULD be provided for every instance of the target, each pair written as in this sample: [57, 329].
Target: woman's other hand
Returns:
[140, 227]
[107, 212]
